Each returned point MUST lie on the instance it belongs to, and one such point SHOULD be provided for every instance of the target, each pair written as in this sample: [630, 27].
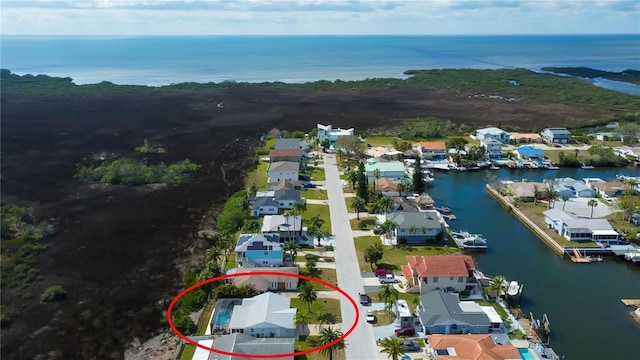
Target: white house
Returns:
[589, 230]
[327, 132]
[267, 315]
[243, 344]
[264, 283]
[289, 228]
[417, 227]
[283, 170]
[274, 201]
[554, 218]
[492, 146]
[556, 135]
[393, 170]
[493, 133]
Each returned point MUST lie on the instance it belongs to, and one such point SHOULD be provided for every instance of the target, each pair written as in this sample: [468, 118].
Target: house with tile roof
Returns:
[264, 283]
[267, 315]
[470, 347]
[417, 227]
[288, 228]
[283, 170]
[610, 188]
[274, 201]
[386, 187]
[444, 313]
[525, 137]
[238, 343]
[493, 133]
[259, 250]
[434, 272]
[285, 155]
[285, 184]
[431, 149]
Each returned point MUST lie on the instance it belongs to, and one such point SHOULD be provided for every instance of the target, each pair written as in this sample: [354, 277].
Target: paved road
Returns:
[361, 342]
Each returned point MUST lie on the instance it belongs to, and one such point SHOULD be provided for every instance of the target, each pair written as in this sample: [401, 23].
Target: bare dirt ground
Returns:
[120, 251]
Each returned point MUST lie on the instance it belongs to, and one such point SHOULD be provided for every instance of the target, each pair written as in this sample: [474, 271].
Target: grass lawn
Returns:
[554, 155]
[365, 223]
[203, 322]
[315, 194]
[380, 140]
[316, 174]
[302, 344]
[623, 226]
[231, 260]
[261, 175]
[320, 210]
[394, 256]
[328, 275]
[408, 297]
[383, 318]
[329, 306]
[187, 352]
[534, 213]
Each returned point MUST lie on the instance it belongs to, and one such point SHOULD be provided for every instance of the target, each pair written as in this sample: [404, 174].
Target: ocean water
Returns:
[165, 60]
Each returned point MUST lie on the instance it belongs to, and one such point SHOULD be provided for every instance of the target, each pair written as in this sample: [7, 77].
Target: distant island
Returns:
[630, 76]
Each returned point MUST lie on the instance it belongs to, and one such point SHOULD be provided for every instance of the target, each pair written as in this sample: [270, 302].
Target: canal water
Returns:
[582, 301]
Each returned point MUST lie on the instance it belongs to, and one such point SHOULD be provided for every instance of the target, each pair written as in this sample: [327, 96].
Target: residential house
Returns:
[525, 191]
[431, 149]
[554, 218]
[288, 228]
[493, 133]
[327, 132]
[386, 187]
[285, 143]
[457, 347]
[589, 230]
[590, 181]
[606, 136]
[610, 188]
[283, 170]
[238, 343]
[417, 227]
[274, 201]
[285, 184]
[423, 202]
[259, 250]
[393, 170]
[556, 135]
[521, 138]
[267, 315]
[265, 283]
[528, 152]
[276, 155]
[444, 313]
[434, 272]
[492, 146]
[572, 188]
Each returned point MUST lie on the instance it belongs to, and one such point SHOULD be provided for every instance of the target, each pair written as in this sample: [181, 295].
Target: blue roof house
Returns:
[529, 152]
[259, 250]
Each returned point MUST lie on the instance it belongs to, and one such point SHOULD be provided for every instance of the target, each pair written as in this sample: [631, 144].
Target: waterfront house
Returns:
[417, 227]
[434, 272]
[556, 135]
[431, 149]
[238, 343]
[283, 170]
[571, 187]
[259, 250]
[493, 147]
[267, 315]
[521, 138]
[528, 152]
[386, 187]
[288, 228]
[589, 230]
[610, 188]
[554, 218]
[264, 283]
[493, 133]
[525, 191]
[326, 132]
[452, 347]
[606, 136]
[393, 170]
[275, 201]
[276, 155]
[289, 144]
[444, 313]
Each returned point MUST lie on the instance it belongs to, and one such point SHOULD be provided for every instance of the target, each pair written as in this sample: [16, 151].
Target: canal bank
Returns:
[588, 321]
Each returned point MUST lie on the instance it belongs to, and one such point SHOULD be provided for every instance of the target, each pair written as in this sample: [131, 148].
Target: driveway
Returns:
[361, 342]
[579, 207]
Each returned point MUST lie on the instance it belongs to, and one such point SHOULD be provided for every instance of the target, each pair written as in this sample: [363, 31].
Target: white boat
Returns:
[514, 289]
[467, 241]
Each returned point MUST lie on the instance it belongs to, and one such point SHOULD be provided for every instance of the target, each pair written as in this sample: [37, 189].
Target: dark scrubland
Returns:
[120, 251]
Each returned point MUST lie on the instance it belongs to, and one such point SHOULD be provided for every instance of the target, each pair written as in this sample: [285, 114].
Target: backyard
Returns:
[534, 213]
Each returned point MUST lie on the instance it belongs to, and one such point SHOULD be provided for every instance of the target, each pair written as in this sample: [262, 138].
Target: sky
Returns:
[317, 17]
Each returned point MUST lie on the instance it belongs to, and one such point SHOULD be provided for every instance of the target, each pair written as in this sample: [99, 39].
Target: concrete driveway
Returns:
[579, 207]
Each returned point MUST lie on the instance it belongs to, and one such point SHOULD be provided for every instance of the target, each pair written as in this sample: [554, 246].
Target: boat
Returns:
[587, 167]
[596, 259]
[443, 210]
[449, 216]
[553, 167]
[493, 167]
[467, 241]
[514, 289]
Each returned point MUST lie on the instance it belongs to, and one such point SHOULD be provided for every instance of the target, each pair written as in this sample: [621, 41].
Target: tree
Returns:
[536, 193]
[325, 144]
[358, 204]
[630, 133]
[362, 190]
[593, 203]
[353, 179]
[384, 204]
[496, 284]
[292, 248]
[302, 318]
[631, 186]
[628, 205]
[551, 194]
[376, 176]
[53, 293]
[373, 254]
[387, 227]
[564, 201]
[350, 144]
[457, 143]
[328, 336]
[389, 295]
[393, 347]
[308, 294]
[402, 187]
[418, 176]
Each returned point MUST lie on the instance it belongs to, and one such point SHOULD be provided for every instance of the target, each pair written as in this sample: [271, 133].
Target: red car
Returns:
[406, 331]
[382, 272]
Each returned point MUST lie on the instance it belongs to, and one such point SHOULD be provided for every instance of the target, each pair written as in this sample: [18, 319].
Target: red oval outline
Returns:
[222, 277]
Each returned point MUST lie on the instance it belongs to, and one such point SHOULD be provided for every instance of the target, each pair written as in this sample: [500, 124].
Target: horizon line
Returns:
[316, 35]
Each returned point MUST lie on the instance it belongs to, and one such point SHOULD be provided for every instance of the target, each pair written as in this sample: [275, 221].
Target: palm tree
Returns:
[321, 318]
[376, 175]
[302, 319]
[393, 347]
[536, 193]
[292, 248]
[401, 188]
[564, 201]
[308, 294]
[631, 186]
[214, 253]
[385, 204]
[387, 227]
[389, 295]
[358, 204]
[496, 285]
[593, 203]
[328, 336]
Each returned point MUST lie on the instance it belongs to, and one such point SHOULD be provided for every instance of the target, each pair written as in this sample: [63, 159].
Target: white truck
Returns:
[388, 279]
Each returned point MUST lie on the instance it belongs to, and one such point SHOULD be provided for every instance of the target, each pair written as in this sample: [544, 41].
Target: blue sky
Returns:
[316, 17]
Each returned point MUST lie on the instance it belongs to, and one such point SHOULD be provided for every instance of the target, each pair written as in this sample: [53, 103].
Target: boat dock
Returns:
[631, 302]
[578, 257]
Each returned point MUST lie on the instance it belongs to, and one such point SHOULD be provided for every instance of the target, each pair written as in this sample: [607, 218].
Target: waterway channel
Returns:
[582, 301]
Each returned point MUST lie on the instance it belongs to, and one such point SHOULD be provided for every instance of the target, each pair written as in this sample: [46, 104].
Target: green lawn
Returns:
[320, 210]
[554, 155]
[203, 322]
[329, 306]
[328, 275]
[534, 213]
[394, 256]
[316, 174]
[187, 352]
[368, 223]
[314, 194]
[383, 317]
[380, 140]
[231, 260]
[261, 175]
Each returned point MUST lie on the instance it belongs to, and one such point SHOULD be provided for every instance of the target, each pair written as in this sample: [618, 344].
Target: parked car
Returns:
[304, 178]
[382, 272]
[388, 279]
[411, 346]
[370, 317]
[364, 299]
[405, 331]
[308, 185]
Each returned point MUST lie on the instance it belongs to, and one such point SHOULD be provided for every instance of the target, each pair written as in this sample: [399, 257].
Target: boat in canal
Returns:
[468, 241]
[514, 290]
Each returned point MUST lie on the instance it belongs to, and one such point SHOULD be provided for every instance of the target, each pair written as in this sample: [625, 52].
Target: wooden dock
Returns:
[579, 258]
[631, 302]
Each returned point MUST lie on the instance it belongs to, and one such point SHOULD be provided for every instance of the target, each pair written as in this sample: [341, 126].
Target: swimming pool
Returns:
[223, 318]
[525, 354]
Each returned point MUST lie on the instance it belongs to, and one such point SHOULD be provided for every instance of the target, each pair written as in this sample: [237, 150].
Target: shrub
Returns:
[53, 293]
[193, 300]
[184, 324]
[329, 248]
[7, 315]
[311, 257]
